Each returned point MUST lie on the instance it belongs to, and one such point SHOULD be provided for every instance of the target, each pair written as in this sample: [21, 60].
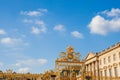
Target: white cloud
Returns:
[13, 42]
[31, 62]
[100, 25]
[35, 30]
[59, 27]
[35, 13]
[77, 34]
[41, 28]
[2, 31]
[9, 40]
[43, 10]
[41, 24]
[113, 13]
[38, 26]
[42, 61]
[23, 70]
[28, 21]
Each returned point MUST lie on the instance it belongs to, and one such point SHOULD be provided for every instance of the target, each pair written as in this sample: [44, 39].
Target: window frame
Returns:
[109, 59]
[114, 57]
[104, 60]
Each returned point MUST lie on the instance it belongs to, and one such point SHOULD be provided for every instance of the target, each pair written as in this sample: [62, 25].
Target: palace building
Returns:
[103, 65]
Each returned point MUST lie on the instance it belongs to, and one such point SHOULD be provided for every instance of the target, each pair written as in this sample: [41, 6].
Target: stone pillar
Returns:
[91, 69]
[94, 68]
[87, 68]
[98, 72]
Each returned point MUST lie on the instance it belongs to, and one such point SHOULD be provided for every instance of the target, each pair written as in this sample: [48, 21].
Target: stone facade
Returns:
[104, 65]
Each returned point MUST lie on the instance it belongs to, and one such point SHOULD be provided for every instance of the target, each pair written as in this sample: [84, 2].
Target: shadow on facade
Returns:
[88, 78]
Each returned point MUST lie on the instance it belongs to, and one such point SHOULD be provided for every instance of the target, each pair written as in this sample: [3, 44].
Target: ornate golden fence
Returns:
[17, 76]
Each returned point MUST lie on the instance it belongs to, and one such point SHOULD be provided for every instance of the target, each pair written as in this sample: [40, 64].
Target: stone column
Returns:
[94, 68]
[91, 69]
[87, 68]
[98, 72]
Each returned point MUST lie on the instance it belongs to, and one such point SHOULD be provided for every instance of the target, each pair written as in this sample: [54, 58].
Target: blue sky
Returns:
[34, 32]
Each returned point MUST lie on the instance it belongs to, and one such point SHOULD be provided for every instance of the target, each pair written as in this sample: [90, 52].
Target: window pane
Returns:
[105, 72]
[104, 61]
[116, 73]
[119, 55]
[114, 57]
[109, 59]
[110, 72]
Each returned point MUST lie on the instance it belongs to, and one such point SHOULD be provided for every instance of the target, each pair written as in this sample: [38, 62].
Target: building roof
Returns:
[93, 54]
[109, 48]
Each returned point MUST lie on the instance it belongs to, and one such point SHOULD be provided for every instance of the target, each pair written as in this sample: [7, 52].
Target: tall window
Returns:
[101, 73]
[110, 73]
[105, 73]
[116, 71]
[100, 62]
[119, 55]
[109, 60]
[104, 61]
[114, 57]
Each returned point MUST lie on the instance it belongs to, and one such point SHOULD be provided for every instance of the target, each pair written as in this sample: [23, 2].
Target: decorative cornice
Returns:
[115, 64]
[109, 66]
[109, 49]
[104, 51]
[105, 67]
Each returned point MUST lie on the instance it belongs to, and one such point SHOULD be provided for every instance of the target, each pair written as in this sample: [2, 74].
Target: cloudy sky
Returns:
[34, 32]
